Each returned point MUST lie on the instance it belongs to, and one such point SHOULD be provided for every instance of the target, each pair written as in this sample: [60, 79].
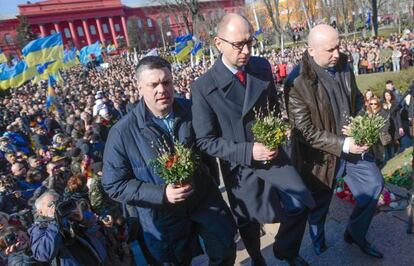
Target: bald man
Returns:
[322, 100]
[224, 101]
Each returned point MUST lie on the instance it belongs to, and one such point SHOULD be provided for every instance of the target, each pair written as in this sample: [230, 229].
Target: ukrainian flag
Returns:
[183, 46]
[70, 58]
[110, 48]
[259, 35]
[44, 50]
[85, 52]
[51, 101]
[46, 69]
[3, 57]
[184, 38]
[197, 51]
[16, 75]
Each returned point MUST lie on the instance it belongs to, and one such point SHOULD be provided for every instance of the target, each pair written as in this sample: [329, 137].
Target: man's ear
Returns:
[218, 43]
[311, 51]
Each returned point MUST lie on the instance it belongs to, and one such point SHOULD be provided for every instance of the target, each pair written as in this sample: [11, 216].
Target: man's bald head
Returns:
[320, 34]
[234, 40]
[232, 22]
[323, 45]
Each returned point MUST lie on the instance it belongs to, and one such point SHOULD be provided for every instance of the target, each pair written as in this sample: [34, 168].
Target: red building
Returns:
[84, 22]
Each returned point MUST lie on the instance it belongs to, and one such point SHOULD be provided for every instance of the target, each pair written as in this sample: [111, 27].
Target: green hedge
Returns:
[376, 81]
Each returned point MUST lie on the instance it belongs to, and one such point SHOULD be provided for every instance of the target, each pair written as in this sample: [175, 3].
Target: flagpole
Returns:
[204, 60]
[192, 60]
[211, 56]
[257, 22]
[282, 44]
[162, 35]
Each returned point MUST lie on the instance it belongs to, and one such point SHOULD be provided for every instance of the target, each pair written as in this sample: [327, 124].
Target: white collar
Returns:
[232, 69]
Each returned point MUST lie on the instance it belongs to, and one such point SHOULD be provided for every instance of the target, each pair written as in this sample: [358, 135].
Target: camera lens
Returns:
[10, 239]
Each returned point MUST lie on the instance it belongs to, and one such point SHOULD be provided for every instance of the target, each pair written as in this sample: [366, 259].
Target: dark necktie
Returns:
[241, 75]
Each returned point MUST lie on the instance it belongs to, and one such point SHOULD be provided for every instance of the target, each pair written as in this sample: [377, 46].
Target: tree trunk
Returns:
[276, 26]
[305, 10]
[375, 16]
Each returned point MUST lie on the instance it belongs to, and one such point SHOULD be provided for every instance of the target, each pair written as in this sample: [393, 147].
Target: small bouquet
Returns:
[365, 129]
[269, 130]
[177, 165]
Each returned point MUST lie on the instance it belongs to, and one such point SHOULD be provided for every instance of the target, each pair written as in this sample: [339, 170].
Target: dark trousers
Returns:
[218, 253]
[289, 236]
[365, 181]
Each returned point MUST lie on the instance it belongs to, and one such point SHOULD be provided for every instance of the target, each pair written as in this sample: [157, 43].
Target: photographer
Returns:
[58, 234]
[14, 242]
[10, 200]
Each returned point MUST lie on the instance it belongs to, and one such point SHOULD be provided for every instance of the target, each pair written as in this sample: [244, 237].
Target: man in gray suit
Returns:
[224, 100]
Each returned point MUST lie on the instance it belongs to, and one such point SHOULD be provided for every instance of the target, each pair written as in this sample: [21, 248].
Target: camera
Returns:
[65, 208]
[10, 239]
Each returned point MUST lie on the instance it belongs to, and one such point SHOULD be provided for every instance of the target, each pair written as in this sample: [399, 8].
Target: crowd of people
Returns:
[52, 201]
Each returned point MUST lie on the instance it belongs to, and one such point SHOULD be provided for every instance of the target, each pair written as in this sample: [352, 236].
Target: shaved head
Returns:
[320, 34]
[323, 45]
[230, 23]
[234, 40]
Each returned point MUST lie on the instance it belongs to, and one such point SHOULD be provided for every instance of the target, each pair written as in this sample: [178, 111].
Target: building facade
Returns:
[85, 22]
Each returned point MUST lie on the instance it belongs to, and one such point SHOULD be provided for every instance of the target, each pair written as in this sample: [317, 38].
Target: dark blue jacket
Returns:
[21, 258]
[48, 245]
[129, 178]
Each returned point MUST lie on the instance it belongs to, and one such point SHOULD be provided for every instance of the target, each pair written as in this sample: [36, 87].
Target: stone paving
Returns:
[387, 232]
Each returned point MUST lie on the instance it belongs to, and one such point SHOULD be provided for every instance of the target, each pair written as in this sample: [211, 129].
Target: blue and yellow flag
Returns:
[3, 57]
[86, 52]
[183, 46]
[51, 100]
[46, 69]
[70, 58]
[197, 50]
[15, 75]
[110, 48]
[184, 38]
[44, 50]
[259, 35]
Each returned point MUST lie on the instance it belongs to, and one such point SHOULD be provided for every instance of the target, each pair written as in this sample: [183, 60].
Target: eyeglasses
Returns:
[376, 104]
[240, 45]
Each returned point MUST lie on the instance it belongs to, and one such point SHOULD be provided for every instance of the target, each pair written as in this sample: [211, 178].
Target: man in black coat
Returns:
[224, 101]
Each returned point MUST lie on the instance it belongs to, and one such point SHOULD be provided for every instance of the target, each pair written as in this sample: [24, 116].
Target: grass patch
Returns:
[398, 170]
[376, 81]
[398, 161]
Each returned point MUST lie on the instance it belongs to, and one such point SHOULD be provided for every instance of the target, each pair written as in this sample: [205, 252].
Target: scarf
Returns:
[334, 85]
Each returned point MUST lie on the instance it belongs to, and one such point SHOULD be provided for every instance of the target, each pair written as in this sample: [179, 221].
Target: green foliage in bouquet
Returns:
[269, 129]
[365, 129]
[177, 166]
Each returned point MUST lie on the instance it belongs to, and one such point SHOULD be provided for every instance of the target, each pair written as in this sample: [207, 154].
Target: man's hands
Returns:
[177, 194]
[261, 153]
[11, 249]
[356, 149]
[346, 130]
[353, 147]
